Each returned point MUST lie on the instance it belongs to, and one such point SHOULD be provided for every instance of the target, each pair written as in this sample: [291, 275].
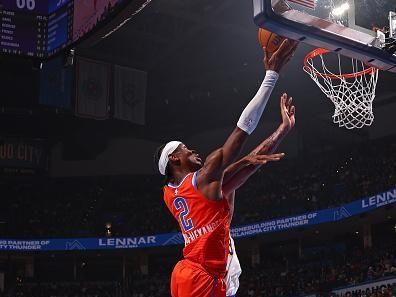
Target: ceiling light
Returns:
[340, 10]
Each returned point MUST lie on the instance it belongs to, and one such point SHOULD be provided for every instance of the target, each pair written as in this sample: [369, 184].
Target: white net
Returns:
[352, 94]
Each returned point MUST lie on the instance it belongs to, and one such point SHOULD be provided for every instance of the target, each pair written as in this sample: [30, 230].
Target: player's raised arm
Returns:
[210, 176]
[239, 172]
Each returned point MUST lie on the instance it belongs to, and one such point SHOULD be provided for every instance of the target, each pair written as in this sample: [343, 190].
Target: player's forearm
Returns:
[233, 169]
[251, 115]
[248, 120]
[270, 144]
[240, 172]
[239, 178]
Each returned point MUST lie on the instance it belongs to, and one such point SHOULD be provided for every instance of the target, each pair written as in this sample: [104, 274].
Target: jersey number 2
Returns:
[181, 204]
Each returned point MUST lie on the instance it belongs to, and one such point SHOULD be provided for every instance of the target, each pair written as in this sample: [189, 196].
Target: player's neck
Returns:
[178, 175]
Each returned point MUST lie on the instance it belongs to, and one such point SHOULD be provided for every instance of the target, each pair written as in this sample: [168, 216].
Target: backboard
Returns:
[360, 29]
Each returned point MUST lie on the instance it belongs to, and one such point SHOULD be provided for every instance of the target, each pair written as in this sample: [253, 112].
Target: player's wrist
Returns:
[284, 128]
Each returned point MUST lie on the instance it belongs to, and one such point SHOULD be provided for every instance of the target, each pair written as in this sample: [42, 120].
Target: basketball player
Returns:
[238, 174]
[194, 193]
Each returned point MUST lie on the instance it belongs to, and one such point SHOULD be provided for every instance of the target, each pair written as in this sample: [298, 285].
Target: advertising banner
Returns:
[276, 225]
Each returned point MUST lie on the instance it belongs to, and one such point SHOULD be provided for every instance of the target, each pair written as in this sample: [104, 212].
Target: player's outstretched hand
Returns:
[288, 112]
[281, 56]
[263, 159]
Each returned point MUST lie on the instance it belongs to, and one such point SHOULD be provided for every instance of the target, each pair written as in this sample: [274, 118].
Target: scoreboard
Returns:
[23, 27]
[59, 27]
[41, 28]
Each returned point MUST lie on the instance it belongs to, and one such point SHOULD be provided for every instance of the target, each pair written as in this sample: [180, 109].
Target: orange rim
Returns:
[322, 51]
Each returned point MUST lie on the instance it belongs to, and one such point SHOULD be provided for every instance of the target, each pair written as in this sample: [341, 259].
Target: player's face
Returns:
[188, 157]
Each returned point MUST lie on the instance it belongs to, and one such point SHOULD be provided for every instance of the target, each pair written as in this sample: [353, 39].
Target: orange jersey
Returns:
[203, 222]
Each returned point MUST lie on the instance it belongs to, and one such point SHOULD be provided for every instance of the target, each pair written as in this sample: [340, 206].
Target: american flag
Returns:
[306, 3]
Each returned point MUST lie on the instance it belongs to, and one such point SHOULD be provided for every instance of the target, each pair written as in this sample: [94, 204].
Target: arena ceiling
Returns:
[204, 64]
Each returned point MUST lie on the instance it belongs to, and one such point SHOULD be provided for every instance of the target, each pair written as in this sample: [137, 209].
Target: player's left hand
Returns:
[288, 112]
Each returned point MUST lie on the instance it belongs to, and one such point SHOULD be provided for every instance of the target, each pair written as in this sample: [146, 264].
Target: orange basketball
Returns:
[269, 40]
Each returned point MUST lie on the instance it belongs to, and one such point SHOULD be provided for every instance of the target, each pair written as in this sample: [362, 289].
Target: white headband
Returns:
[169, 148]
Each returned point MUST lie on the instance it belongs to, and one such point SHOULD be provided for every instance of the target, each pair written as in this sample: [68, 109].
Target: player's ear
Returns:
[173, 157]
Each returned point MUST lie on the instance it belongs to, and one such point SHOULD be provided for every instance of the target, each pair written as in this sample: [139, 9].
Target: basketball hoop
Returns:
[351, 93]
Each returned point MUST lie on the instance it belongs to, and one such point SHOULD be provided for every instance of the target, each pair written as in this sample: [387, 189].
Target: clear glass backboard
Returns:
[361, 29]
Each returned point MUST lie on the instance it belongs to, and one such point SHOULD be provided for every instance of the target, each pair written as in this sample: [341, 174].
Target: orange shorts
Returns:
[190, 279]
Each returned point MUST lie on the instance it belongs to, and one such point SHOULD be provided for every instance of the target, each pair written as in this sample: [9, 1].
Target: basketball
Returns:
[269, 40]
